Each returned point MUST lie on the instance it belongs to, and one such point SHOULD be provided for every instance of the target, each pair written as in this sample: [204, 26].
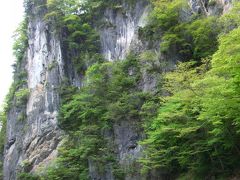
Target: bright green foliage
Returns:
[204, 33]
[175, 124]
[166, 14]
[223, 106]
[163, 18]
[197, 128]
[220, 102]
[230, 20]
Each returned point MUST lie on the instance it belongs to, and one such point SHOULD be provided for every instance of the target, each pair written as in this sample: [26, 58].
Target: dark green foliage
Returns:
[22, 116]
[1, 169]
[52, 65]
[78, 21]
[110, 95]
[189, 134]
[18, 93]
[81, 39]
[109, 86]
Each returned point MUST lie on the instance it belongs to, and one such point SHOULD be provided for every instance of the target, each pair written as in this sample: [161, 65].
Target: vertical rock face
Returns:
[119, 36]
[33, 141]
[120, 26]
[45, 72]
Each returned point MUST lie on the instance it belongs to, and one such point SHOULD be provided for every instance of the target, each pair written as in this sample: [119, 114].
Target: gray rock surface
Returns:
[34, 140]
[119, 29]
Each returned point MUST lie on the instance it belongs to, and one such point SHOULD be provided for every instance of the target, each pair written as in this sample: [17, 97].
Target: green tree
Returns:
[197, 128]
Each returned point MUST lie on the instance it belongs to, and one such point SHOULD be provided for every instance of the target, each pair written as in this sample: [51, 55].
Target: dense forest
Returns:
[190, 122]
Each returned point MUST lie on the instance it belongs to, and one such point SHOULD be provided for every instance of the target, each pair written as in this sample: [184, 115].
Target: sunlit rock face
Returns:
[120, 28]
[45, 73]
[34, 140]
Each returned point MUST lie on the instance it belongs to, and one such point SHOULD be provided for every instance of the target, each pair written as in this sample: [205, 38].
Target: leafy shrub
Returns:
[204, 34]
[81, 40]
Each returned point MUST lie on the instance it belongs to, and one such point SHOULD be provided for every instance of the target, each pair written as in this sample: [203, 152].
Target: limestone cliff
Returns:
[35, 140]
